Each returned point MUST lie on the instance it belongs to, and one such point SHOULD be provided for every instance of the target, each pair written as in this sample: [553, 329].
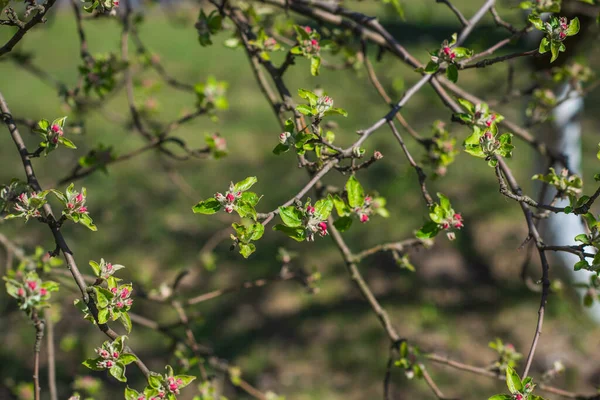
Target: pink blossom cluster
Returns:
[228, 200]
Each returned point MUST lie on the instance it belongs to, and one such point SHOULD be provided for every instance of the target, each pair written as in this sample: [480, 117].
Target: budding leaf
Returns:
[92, 363]
[573, 28]
[118, 372]
[501, 397]
[343, 224]
[429, 230]
[323, 208]
[291, 216]
[356, 193]
[513, 382]
[306, 95]
[246, 184]
[126, 321]
[315, 63]
[297, 234]
[452, 73]
[582, 264]
[305, 109]
[209, 206]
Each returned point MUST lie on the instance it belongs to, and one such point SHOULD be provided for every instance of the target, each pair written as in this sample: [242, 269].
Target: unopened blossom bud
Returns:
[310, 209]
[109, 364]
[451, 235]
[307, 29]
[124, 293]
[564, 23]
[283, 137]
[120, 304]
[488, 142]
[79, 198]
[109, 267]
[54, 140]
[115, 354]
[128, 302]
[230, 197]
[377, 155]
[32, 285]
[114, 290]
[368, 200]
[324, 103]
[364, 218]
[70, 205]
[56, 129]
[445, 225]
[238, 194]
[219, 196]
[43, 291]
[323, 228]
[116, 4]
[82, 210]
[229, 208]
[270, 43]
[20, 292]
[518, 396]
[23, 198]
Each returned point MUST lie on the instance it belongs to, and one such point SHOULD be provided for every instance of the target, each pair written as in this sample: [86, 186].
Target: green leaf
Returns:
[506, 146]
[315, 63]
[44, 125]
[291, 216]
[305, 109]
[245, 210]
[250, 198]
[103, 315]
[185, 380]
[582, 264]
[207, 207]
[452, 73]
[444, 203]
[126, 321]
[340, 206]
[429, 230]
[281, 148]
[127, 358]
[342, 224]
[297, 234]
[338, 111]
[323, 208]
[103, 296]
[86, 221]
[118, 372]
[544, 46]
[573, 28]
[306, 95]
[537, 22]
[501, 397]
[67, 143]
[583, 238]
[356, 193]
[431, 68]
[154, 380]
[92, 363]
[513, 382]
[554, 49]
[96, 268]
[131, 394]
[467, 105]
[246, 184]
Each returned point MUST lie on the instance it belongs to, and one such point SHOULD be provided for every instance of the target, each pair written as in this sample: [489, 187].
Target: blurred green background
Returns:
[327, 345]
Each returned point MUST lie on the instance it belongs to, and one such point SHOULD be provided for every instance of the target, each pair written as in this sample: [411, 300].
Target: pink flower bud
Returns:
[109, 267]
[229, 208]
[283, 137]
[310, 209]
[55, 128]
[109, 364]
[70, 205]
[82, 210]
[43, 291]
[23, 198]
[307, 29]
[102, 353]
[124, 293]
[230, 197]
[445, 225]
[120, 304]
[115, 354]
[238, 195]
[54, 140]
[377, 155]
[446, 50]
[32, 285]
[314, 42]
[364, 218]
[509, 346]
[114, 290]
[116, 4]
[518, 396]
[323, 228]
[219, 196]
[128, 302]
[20, 292]
[562, 35]
[79, 198]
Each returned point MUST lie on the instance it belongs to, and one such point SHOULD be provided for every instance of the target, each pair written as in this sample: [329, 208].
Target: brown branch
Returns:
[38, 323]
[54, 227]
[37, 18]
[51, 355]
